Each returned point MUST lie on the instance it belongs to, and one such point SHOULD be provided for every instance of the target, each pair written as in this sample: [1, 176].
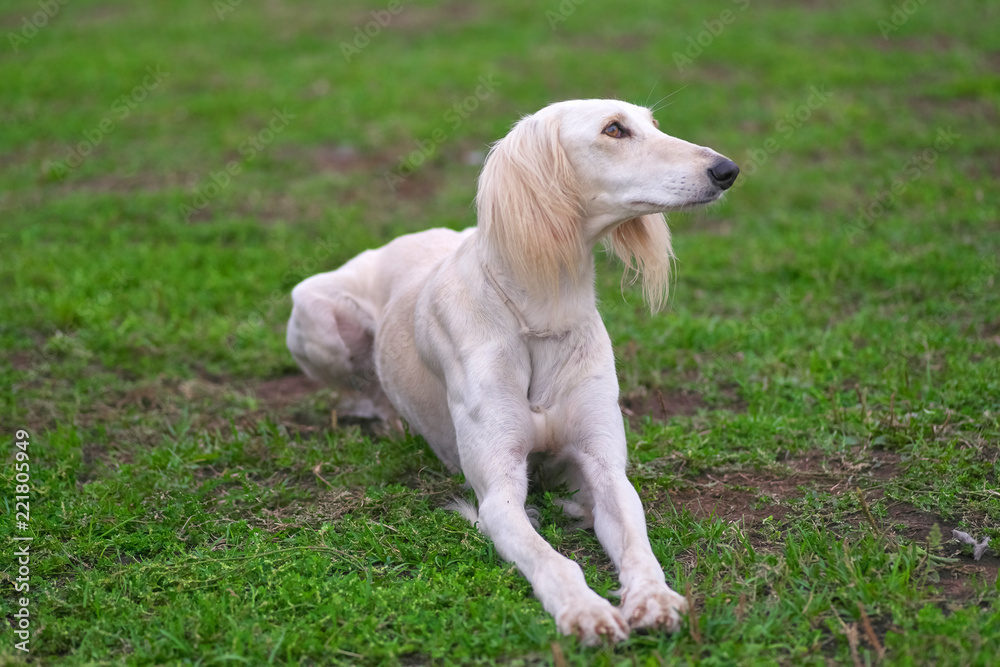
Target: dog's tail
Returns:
[465, 508]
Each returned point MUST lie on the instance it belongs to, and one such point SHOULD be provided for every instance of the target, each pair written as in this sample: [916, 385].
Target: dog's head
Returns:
[582, 171]
[628, 167]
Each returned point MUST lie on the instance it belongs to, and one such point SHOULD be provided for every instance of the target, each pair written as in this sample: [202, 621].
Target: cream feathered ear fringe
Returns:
[528, 205]
[643, 245]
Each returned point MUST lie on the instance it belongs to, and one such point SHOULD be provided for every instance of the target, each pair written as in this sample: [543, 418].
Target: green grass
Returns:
[829, 363]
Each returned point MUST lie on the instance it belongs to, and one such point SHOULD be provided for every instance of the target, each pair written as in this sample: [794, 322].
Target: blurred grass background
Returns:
[834, 324]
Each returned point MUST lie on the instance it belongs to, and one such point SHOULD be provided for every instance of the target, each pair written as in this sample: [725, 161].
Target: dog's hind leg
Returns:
[331, 335]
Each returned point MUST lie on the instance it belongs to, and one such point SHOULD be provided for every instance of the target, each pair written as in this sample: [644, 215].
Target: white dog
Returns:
[489, 343]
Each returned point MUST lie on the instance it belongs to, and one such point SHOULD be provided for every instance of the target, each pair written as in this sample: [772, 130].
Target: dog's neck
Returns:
[543, 315]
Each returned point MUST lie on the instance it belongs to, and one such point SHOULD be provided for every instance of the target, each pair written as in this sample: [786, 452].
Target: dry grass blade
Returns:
[870, 632]
[692, 616]
[558, 657]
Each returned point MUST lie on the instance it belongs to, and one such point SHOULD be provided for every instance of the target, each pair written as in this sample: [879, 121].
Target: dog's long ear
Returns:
[643, 244]
[529, 206]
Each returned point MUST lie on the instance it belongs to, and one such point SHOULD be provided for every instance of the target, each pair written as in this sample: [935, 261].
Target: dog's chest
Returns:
[566, 375]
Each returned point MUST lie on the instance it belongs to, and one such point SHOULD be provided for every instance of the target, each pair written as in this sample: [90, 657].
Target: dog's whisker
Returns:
[650, 93]
[658, 106]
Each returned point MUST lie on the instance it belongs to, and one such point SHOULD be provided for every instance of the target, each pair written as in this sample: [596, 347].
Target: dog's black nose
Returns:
[723, 173]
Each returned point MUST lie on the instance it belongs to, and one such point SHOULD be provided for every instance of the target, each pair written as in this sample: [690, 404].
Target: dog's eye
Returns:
[615, 131]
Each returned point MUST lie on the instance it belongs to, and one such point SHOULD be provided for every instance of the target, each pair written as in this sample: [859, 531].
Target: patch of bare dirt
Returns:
[117, 183]
[661, 405]
[728, 502]
[338, 158]
[610, 41]
[328, 506]
[421, 185]
[290, 399]
[956, 578]
[21, 361]
[937, 43]
[934, 108]
[280, 392]
[756, 497]
[212, 402]
[417, 19]
[391, 175]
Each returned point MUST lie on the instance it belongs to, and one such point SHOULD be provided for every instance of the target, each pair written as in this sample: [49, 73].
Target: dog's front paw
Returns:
[653, 605]
[593, 620]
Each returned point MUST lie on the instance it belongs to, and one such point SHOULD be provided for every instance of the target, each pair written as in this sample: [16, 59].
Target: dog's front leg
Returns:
[646, 599]
[494, 442]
